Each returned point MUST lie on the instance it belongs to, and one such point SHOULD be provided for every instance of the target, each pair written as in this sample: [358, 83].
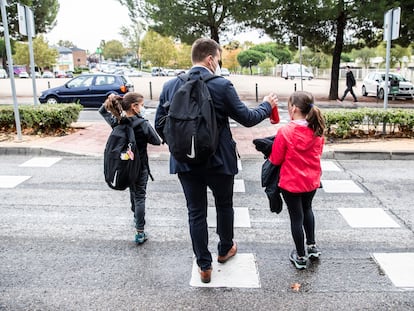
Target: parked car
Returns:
[37, 74]
[225, 72]
[69, 74]
[133, 73]
[90, 90]
[158, 71]
[60, 74]
[375, 82]
[3, 74]
[47, 74]
[23, 75]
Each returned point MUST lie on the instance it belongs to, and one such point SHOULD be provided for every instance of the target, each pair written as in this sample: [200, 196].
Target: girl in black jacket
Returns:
[116, 110]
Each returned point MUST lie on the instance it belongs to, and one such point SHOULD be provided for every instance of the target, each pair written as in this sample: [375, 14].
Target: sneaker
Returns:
[313, 251]
[299, 262]
[140, 237]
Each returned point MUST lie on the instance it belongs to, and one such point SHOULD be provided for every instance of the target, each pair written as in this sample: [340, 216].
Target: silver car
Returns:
[374, 84]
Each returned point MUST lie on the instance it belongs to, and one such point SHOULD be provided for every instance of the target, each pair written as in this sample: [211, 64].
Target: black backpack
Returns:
[121, 157]
[191, 130]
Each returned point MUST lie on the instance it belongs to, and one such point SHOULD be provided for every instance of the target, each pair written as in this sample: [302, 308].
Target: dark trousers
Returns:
[350, 90]
[195, 191]
[301, 218]
[138, 193]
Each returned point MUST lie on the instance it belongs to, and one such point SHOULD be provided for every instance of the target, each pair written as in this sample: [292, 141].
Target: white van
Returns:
[292, 71]
[3, 74]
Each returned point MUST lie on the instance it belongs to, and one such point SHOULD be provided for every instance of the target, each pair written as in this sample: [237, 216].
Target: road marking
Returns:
[239, 271]
[340, 186]
[40, 162]
[12, 181]
[367, 218]
[329, 166]
[238, 186]
[399, 267]
[241, 217]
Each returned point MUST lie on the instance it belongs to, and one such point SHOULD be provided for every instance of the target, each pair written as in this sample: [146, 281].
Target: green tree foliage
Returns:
[157, 50]
[189, 20]
[66, 44]
[44, 12]
[43, 55]
[250, 57]
[364, 56]
[114, 50]
[280, 52]
[323, 24]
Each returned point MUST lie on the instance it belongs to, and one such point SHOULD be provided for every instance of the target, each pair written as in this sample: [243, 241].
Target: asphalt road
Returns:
[66, 242]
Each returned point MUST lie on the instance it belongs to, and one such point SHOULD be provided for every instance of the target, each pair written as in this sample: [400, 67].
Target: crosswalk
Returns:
[244, 270]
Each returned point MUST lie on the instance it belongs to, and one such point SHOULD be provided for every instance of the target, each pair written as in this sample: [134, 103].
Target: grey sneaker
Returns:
[299, 262]
[313, 251]
[140, 237]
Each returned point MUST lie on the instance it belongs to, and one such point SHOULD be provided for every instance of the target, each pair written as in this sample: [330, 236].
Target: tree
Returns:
[157, 49]
[364, 56]
[44, 12]
[43, 55]
[114, 50]
[323, 25]
[66, 44]
[190, 20]
[250, 58]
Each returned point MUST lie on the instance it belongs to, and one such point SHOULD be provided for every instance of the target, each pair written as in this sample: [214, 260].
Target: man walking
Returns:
[219, 171]
[350, 83]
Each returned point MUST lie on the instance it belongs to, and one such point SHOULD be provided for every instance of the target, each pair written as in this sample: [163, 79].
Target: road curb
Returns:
[331, 154]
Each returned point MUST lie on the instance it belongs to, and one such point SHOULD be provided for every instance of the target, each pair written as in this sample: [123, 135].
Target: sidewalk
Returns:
[90, 139]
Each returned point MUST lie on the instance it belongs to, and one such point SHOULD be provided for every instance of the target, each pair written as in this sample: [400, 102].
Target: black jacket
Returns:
[270, 174]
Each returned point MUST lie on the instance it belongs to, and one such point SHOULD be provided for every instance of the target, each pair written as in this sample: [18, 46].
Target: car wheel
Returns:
[381, 94]
[51, 100]
[292, 77]
[364, 91]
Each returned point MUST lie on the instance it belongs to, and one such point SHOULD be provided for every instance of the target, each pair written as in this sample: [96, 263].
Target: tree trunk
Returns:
[214, 32]
[336, 58]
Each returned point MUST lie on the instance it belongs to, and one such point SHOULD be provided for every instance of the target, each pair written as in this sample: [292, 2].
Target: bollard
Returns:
[150, 86]
[48, 84]
[257, 94]
[294, 88]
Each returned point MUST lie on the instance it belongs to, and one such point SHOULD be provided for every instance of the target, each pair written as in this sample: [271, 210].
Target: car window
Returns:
[80, 81]
[104, 80]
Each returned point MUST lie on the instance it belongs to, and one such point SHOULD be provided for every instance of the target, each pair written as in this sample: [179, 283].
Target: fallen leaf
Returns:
[295, 287]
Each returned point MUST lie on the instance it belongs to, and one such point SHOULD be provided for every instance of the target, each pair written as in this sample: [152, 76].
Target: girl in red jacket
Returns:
[298, 148]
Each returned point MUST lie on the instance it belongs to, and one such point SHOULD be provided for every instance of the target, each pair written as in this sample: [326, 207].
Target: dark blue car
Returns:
[89, 90]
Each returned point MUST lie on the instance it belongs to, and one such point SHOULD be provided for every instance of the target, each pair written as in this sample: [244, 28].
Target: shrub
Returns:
[369, 122]
[41, 119]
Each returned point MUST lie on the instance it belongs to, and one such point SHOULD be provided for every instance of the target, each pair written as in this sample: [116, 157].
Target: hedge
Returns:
[40, 119]
[369, 122]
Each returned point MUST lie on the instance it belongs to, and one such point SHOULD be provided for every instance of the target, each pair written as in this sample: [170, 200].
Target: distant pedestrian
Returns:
[350, 83]
[116, 110]
[219, 171]
[297, 148]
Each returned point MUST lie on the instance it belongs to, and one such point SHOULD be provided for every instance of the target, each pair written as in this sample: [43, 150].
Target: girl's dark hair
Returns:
[305, 102]
[118, 105]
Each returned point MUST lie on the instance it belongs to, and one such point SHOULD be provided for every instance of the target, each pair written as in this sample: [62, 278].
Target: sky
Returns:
[86, 22]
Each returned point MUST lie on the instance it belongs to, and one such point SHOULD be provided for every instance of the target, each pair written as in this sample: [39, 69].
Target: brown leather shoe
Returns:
[230, 253]
[205, 275]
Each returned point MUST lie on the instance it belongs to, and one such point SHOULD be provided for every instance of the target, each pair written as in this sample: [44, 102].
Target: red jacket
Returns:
[298, 151]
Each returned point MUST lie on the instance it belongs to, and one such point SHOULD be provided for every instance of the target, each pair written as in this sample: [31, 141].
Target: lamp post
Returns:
[250, 66]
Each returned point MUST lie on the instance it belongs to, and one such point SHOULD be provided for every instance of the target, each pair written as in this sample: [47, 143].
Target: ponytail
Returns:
[305, 102]
[316, 121]
[113, 104]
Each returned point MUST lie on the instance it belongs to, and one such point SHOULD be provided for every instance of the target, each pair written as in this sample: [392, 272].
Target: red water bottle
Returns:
[274, 116]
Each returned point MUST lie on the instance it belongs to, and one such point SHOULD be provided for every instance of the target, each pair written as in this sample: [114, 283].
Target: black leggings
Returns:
[301, 218]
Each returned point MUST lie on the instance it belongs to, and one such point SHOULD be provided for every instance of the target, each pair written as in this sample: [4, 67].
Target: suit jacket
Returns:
[227, 104]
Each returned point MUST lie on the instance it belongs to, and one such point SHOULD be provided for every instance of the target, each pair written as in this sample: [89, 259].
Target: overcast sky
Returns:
[86, 22]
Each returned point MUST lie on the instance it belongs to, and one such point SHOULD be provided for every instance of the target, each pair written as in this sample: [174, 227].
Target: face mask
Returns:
[217, 72]
[142, 111]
